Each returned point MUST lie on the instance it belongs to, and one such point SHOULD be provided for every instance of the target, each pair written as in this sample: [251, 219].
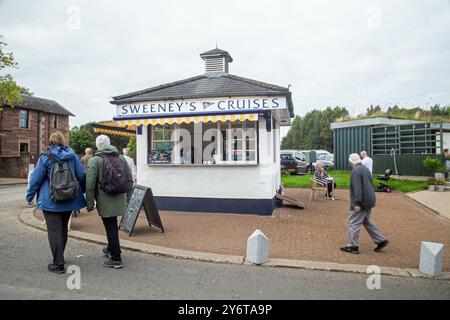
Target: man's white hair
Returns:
[354, 158]
[102, 142]
[126, 151]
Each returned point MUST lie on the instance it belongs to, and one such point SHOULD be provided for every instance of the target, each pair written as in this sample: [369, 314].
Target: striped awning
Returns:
[191, 119]
[114, 132]
[113, 128]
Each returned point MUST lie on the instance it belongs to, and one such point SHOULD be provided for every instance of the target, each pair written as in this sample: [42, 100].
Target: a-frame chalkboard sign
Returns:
[141, 197]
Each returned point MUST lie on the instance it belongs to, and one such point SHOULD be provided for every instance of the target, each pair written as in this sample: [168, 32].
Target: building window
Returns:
[24, 147]
[55, 121]
[24, 119]
[239, 142]
[204, 143]
[161, 144]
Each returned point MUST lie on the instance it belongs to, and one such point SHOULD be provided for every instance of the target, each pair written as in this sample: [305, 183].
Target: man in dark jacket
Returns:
[362, 200]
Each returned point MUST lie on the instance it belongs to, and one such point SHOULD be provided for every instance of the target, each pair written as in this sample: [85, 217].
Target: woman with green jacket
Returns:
[111, 197]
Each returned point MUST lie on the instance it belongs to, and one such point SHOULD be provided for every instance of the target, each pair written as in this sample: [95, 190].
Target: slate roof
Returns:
[216, 52]
[207, 86]
[44, 105]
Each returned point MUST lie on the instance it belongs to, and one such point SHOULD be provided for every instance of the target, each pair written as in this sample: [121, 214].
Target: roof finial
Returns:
[217, 44]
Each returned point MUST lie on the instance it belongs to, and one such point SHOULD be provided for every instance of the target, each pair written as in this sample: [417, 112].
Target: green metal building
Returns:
[400, 145]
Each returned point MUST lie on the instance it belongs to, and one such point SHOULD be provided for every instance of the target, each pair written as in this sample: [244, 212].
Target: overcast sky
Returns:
[347, 53]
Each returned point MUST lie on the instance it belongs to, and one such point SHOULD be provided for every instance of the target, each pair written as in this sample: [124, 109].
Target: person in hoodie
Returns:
[56, 214]
[109, 206]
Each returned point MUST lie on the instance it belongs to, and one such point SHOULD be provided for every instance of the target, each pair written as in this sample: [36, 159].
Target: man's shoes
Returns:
[116, 264]
[56, 268]
[350, 249]
[106, 253]
[381, 246]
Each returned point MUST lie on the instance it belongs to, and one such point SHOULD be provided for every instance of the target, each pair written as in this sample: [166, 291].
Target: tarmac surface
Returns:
[313, 234]
[25, 255]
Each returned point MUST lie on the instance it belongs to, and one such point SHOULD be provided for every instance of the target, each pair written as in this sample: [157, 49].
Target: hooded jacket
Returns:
[40, 181]
[108, 205]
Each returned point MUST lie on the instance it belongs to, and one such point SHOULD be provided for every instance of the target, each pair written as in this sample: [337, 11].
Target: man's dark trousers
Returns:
[112, 234]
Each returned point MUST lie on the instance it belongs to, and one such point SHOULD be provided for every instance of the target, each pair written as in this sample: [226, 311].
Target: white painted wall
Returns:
[240, 182]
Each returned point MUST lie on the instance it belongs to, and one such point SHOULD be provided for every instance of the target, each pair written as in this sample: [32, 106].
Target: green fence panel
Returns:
[407, 164]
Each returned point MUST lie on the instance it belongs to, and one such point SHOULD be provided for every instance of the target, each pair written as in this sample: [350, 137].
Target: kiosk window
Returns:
[240, 143]
[204, 143]
[161, 144]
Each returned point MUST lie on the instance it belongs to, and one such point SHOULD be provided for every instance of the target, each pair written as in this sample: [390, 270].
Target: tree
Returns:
[373, 111]
[132, 146]
[82, 138]
[10, 92]
[313, 130]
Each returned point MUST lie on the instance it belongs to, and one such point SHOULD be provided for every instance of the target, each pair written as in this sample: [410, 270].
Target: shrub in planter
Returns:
[434, 164]
[431, 184]
[440, 185]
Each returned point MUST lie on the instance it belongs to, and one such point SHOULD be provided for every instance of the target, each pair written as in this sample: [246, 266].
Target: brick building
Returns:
[25, 131]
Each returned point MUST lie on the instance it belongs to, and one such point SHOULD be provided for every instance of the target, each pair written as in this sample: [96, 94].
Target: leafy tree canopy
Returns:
[10, 92]
[84, 137]
[313, 130]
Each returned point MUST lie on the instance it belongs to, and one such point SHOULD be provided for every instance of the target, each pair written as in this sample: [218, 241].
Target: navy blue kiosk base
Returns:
[240, 206]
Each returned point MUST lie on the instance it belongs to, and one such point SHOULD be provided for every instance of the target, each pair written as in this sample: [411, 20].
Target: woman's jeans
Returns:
[57, 230]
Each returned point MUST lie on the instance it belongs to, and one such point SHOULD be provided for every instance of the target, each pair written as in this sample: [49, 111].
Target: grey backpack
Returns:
[64, 185]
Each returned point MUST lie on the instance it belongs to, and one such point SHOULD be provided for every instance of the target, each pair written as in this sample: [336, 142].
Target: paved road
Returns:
[24, 256]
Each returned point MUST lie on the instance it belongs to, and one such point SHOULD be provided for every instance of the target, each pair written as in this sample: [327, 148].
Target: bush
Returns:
[435, 165]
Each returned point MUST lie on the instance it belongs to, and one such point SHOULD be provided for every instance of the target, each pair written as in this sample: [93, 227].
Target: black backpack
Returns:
[64, 185]
[114, 175]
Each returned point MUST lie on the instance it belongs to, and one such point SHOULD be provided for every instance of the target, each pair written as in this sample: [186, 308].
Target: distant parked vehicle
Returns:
[327, 160]
[322, 156]
[293, 162]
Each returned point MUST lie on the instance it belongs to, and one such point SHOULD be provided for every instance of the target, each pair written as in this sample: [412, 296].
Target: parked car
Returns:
[322, 156]
[327, 160]
[293, 162]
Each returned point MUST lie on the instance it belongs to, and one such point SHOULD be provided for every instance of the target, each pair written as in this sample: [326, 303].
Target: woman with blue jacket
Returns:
[56, 213]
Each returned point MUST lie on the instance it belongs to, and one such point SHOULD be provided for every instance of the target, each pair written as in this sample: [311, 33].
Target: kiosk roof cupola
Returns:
[216, 61]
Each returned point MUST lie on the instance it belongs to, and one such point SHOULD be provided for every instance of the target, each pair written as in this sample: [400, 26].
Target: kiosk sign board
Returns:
[200, 106]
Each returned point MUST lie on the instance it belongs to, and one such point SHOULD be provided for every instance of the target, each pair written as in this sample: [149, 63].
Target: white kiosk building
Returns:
[210, 143]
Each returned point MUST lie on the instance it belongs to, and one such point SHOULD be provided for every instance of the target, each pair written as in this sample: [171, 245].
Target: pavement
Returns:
[25, 255]
[313, 234]
[436, 201]
[12, 181]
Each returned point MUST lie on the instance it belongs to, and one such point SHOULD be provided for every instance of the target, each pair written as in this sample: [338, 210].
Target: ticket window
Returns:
[204, 143]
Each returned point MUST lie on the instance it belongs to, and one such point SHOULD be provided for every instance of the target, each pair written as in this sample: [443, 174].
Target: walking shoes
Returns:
[350, 249]
[55, 268]
[113, 264]
[381, 246]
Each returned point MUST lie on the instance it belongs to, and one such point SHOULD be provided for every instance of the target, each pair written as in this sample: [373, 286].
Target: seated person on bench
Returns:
[320, 177]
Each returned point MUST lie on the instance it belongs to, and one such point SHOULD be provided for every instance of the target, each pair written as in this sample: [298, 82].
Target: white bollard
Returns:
[431, 257]
[258, 248]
